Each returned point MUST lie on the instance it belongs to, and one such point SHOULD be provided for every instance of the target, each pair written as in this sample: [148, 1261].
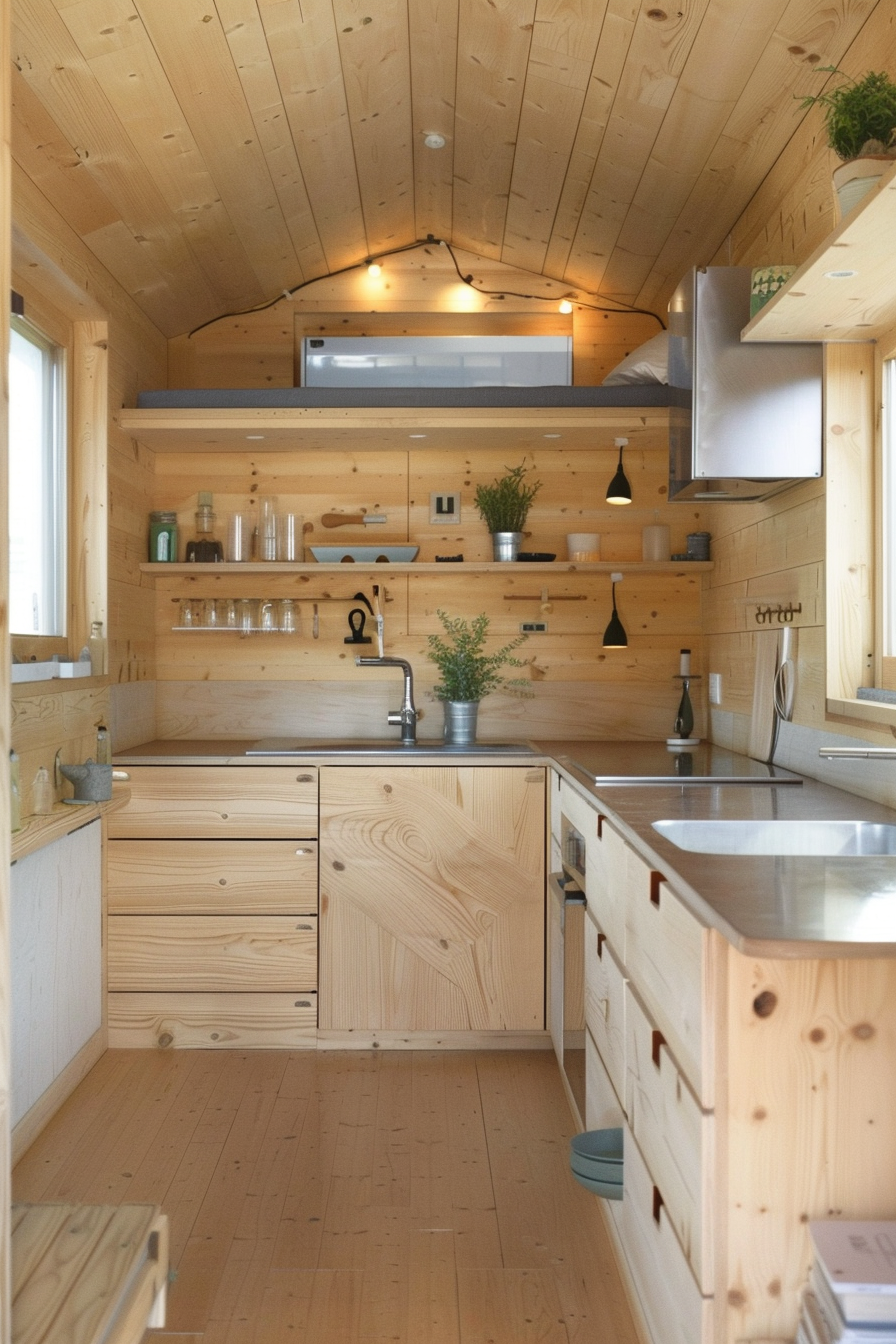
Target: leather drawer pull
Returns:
[601, 939]
[657, 1041]
[655, 880]
[657, 1204]
[600, 825]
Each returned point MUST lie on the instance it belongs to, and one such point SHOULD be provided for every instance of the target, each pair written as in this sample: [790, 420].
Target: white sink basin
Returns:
[820, 839]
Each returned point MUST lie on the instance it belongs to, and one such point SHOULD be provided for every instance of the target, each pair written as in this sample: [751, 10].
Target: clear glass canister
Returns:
[162, 536]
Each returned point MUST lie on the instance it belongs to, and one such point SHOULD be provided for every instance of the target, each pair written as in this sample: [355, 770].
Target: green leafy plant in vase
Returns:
[504, 507]
[860, 120]
[467, 672]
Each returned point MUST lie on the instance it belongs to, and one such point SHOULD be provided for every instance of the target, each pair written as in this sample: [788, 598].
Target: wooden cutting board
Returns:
[762, 721]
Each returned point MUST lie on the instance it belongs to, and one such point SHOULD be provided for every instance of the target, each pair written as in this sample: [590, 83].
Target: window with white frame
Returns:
[37, 483]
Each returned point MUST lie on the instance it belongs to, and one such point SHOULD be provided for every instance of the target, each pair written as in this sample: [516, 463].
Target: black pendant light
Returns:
[614, 635]
[619, 491]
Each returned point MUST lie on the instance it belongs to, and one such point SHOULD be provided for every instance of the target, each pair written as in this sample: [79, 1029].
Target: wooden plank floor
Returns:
[371, 1196]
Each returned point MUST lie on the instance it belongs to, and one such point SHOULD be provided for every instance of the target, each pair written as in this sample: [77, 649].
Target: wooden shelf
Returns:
[814, 307]
[378, 429]
[427, 567]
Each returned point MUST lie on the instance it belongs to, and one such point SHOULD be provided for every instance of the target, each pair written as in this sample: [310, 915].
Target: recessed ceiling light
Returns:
[254, 436]
[839, 275]
[565, 306]
[417, 436]
[432, 140]
[552, 436]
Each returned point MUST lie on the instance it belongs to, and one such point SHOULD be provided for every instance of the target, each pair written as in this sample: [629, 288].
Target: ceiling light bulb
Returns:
[565, 306]
[432, 140]
[374, 268]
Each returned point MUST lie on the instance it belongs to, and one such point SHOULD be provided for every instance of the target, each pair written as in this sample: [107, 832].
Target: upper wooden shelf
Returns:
[434, 567]
[814, 306]
[352, 429]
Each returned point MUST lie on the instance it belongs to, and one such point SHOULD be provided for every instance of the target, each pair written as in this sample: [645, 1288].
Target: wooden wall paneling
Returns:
[762, 129]
[127, 67]
[560, 709]
[89, 572]
[177, 287]
[5, 737]
[215, 109]
[432, 25]
[652, 70]
[793, 210]
[602, 339]
[735, 606]
[851, 658]
[305, 56]
[491, 79]
[561, 58]
[251, 58]
[610, 56]
[252, 350]
[724, 53]
[306, 482]
[47, 721]
[375, 61]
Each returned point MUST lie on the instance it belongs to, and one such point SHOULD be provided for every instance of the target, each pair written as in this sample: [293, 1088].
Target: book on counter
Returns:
[854, 1275]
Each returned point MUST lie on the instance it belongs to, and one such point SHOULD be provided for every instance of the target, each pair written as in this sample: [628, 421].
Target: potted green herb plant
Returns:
[467, 672]
[860, 119]
[504, 507]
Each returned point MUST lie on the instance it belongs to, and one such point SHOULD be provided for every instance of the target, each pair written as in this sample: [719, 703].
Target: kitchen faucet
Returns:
[407, 716]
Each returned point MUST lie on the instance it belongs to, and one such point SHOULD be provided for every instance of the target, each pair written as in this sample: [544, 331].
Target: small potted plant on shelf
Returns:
[860, 119]
[504, 507]
[468, 673]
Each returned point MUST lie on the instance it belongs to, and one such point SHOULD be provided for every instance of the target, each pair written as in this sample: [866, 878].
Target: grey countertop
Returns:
[765, 906]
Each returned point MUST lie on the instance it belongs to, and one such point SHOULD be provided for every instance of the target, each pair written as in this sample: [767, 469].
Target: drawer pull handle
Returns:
[304, 779]
[301, 852]
[306, 927]
[302, 1003]
[657, 1204]
[655, 880]
[600, 825]
[601, 939]
[657, 1041]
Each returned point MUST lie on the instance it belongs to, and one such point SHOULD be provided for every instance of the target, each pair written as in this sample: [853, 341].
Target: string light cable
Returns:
[429, 241]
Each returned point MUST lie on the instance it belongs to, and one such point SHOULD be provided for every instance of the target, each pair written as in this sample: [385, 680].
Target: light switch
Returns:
[444, 507]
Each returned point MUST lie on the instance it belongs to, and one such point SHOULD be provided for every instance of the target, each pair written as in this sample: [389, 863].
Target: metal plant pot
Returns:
[460, 721]
[507, 544]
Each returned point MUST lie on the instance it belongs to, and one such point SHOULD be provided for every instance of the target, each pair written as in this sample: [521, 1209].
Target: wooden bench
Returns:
[87, 1273]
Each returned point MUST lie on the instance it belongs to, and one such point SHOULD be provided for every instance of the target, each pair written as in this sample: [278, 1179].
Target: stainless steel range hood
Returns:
[746, 419]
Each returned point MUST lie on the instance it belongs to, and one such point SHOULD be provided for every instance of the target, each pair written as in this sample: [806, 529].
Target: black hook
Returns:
[359, 597]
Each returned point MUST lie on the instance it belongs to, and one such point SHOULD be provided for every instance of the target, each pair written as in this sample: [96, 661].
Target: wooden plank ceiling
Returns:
[212, 153]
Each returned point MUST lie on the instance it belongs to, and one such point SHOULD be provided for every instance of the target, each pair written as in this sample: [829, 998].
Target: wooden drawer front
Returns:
[605, 1002]
[212, 952]
[674, 1135]
[218, 1021]
[603, 1109]
[664, 957]
[671, 1303]
[605, 887]
[214, 801]
[187, 877]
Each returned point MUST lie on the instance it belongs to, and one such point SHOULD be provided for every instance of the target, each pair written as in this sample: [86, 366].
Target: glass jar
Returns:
[162, 536]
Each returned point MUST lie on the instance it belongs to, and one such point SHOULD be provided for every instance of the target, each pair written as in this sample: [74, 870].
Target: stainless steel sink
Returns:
[819, 839]
[302, 746]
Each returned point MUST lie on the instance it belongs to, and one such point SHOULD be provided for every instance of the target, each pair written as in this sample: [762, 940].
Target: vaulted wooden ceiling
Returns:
[213, 153]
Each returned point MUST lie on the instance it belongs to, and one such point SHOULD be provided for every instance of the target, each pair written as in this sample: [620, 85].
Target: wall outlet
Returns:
[444, 506]
[715, 688]
[533, 627]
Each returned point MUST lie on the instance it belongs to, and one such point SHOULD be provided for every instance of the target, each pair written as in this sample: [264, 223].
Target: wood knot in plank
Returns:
[863, 1031]
[765, 1003]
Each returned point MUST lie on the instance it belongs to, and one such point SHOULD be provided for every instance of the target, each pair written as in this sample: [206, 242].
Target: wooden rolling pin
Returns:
[344, 519]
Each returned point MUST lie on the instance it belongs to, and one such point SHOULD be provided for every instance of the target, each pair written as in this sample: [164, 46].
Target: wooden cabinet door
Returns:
[432, 898]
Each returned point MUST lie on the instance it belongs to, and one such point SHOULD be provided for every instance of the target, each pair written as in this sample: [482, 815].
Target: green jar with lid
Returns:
[162, 536]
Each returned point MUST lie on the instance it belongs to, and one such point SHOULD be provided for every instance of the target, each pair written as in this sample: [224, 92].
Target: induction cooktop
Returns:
[657, 763]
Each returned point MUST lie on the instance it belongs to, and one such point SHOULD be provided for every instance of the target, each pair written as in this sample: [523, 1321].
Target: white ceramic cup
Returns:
[583, 545]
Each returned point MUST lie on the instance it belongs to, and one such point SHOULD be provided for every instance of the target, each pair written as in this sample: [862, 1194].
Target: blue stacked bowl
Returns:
[596, 1161]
